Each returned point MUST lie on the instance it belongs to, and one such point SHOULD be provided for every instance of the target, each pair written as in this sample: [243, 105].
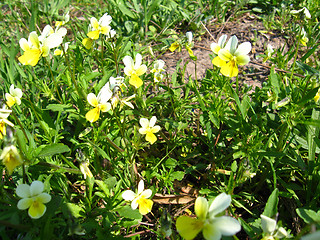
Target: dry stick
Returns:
[277, 69]
[137, 233]
[208, 33]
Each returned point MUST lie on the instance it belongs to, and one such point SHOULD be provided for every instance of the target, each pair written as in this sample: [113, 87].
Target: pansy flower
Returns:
[149, 128]
[134, 69]
[33, 199]
[13, 96]
[139, 199]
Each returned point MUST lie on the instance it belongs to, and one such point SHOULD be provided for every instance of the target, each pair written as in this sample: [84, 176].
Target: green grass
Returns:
[260, 146]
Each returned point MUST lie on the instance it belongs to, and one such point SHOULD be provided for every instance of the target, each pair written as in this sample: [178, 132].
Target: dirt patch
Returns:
[246, 28]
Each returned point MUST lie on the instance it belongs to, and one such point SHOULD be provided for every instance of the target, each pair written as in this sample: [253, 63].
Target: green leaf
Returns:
[128, 212]
[73, 209]
[309, 216]
[271, 208]
[53, 149]
[60, 108]
[177, 175]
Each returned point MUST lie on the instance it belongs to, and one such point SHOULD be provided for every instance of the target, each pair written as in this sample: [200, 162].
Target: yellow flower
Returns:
[100, 103]
[84, 168]
[317, 96]
[87, 43]
[216, 47]
[99, 27]
[234, 56]
[11, 158]
[14, 96]
[174, 46]
[149, 129]
[189, 44]
[207, 221]
[4, 114]
[139, 199]
[37, 47]
[304, 39]
[134, 69]
[33, 198]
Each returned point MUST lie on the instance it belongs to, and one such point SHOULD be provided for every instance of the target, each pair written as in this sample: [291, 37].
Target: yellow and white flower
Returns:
[33, 198]
[84, 168]
[216, 47]
[103, 26]
[13, 96]
[139, 199]
[234, 55]
[304, 11]
[149, 128]
[39, 46]
[208, 221]
[134, 69]
[4, 114]
[189, 43]
[269, 51]
[100, 103]
[158, 70]
[304, 38]
[11, 158]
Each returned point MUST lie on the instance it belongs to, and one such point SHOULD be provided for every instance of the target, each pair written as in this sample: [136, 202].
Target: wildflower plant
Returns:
[86, 117]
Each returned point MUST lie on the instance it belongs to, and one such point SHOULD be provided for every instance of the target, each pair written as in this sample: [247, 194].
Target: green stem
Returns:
[53, 80]
[296, 54]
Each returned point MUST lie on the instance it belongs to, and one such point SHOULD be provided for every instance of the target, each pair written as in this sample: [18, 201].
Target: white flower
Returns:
[305, 12]
[158, 70]
[269, 227]
[33, 198]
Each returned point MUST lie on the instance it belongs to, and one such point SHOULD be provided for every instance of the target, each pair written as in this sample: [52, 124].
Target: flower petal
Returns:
[128, 195]
[138, 61]
[87, 43]
[140, 186]
[92, 100]
[219, 204]
[215, 47]
[23, 191]
[146, 193]
[135, 81]
[217, 61]
[145, 206]
[228, 226]
[105, 107]
[24, 203]
[150, 137]
[243, 49]
[188, 227]
[36, 188]
[128, 62]
[225, 55]
[211, 232]
[93, 114]
[24, 44]
[141, 70]
[43, 198]
[155, 129]
[232, 44]
[93, 34]
[30, 57]
[134, 203]
[36, 210]
[230, 69]
[144, 122]
[94, 23]
[152, 121]
[201, 207]
[268, 225]
[243, 59]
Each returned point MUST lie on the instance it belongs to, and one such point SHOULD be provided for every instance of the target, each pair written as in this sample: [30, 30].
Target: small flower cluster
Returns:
[187, 42]
[229, 55]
